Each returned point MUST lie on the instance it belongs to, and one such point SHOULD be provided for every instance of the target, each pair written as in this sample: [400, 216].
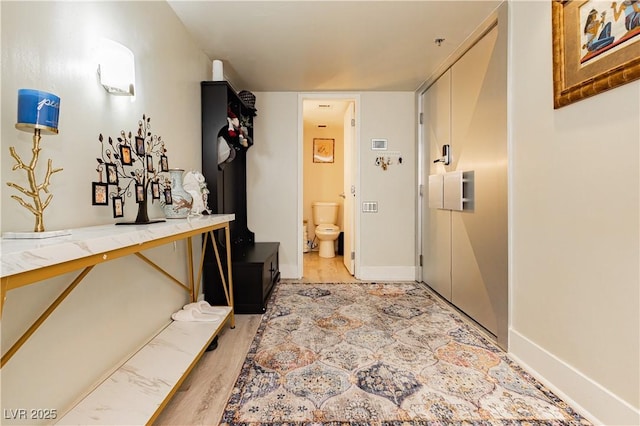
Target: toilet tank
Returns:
[324, 212]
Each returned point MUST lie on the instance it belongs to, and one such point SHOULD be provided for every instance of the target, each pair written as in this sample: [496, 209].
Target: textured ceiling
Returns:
[306, 46]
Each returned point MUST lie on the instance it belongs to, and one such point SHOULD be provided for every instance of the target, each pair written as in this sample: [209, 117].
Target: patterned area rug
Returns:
[380, 354]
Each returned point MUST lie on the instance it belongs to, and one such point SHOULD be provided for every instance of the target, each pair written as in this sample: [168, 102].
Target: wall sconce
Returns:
[116, 68]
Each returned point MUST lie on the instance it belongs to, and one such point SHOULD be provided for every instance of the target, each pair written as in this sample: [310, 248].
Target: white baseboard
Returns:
[371, 273]
[592, 400]
[387, 273]
[289, 272]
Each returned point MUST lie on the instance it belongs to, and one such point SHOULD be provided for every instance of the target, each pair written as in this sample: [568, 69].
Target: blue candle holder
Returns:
[38, 112]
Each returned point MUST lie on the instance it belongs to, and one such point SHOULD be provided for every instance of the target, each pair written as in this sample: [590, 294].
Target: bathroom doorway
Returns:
[328, 162]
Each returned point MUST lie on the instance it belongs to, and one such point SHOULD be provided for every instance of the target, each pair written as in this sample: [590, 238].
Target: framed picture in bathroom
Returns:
[323, 150]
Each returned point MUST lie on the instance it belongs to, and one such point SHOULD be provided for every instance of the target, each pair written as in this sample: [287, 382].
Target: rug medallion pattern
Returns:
[380, 354]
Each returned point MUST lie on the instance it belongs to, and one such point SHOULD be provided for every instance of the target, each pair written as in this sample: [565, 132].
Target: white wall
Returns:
[386, 238]
[51, 46]
[272, 176]
[575, 186]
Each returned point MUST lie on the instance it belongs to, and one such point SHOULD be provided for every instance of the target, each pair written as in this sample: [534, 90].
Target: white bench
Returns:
[136, 393]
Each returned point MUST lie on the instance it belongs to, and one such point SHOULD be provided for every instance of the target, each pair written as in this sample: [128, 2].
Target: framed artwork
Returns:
[164, 163]
[99, 194]
[118, 207]
[323, 150]
[139, 193]
[167, 196]
[112, 174]
[596, 47]
[149, 163]
[125, 155]
[139, 145]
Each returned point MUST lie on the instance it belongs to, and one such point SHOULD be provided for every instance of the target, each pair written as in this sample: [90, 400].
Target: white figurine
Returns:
[194, 183]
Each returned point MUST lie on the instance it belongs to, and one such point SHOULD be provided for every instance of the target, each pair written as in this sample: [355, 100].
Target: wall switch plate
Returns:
[369, 207]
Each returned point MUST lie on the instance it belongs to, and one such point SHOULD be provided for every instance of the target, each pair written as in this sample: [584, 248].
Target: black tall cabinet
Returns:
[255, 266]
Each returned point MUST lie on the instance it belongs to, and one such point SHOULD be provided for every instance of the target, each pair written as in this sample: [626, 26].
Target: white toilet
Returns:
[325, 216]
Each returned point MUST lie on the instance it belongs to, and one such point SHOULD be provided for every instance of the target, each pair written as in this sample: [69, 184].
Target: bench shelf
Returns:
[137, 392]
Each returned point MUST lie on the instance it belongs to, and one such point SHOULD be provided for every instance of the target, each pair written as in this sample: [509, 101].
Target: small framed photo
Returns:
[118, 207]
[167, 196]
[99, 194]
[112, 174]
[323, 150]
[125, 155]
[139, 145]
[155, 190]
[164, 163]
[149, 163]
[139, 193]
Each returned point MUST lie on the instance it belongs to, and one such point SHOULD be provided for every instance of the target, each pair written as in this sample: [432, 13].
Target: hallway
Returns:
[203, 395]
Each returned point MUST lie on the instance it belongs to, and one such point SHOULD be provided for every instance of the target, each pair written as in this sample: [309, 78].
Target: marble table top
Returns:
[22, 255]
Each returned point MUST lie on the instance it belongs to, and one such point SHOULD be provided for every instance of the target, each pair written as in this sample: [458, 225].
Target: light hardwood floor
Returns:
[203, 395]
[320, 270]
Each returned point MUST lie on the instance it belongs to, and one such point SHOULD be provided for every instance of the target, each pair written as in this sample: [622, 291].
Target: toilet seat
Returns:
[327, 234]
[327, 228]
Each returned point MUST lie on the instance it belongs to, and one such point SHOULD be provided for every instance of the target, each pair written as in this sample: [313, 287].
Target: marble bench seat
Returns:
[136, 393]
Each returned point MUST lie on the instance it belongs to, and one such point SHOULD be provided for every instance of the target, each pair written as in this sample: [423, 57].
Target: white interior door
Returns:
[349, 188]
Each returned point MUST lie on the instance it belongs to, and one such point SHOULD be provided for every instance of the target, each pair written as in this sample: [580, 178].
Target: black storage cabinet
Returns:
[255, 266]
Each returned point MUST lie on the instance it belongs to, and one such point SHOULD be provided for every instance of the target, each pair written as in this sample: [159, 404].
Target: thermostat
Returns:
[379, 144]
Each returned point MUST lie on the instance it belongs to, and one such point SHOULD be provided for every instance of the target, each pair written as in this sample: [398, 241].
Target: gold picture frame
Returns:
[323, 150]
[592, 51]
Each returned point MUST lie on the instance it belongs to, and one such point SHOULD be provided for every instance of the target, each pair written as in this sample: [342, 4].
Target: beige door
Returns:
[466, 252]
[436, 224]
[479, 144]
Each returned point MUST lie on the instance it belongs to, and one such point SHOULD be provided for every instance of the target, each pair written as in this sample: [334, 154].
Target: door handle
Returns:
[342, 195]
[446, 155]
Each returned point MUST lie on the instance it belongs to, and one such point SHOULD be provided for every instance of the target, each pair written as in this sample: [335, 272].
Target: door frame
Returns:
[355, 98]
[421, 187]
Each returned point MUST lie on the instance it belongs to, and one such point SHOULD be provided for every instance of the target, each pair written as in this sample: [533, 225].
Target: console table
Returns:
[27, 261]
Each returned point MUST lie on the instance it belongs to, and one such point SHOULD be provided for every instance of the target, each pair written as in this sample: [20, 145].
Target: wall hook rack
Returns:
[388, 159]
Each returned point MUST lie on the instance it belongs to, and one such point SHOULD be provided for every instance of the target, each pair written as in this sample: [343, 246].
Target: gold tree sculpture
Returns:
[38, 112]
[38, 206]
